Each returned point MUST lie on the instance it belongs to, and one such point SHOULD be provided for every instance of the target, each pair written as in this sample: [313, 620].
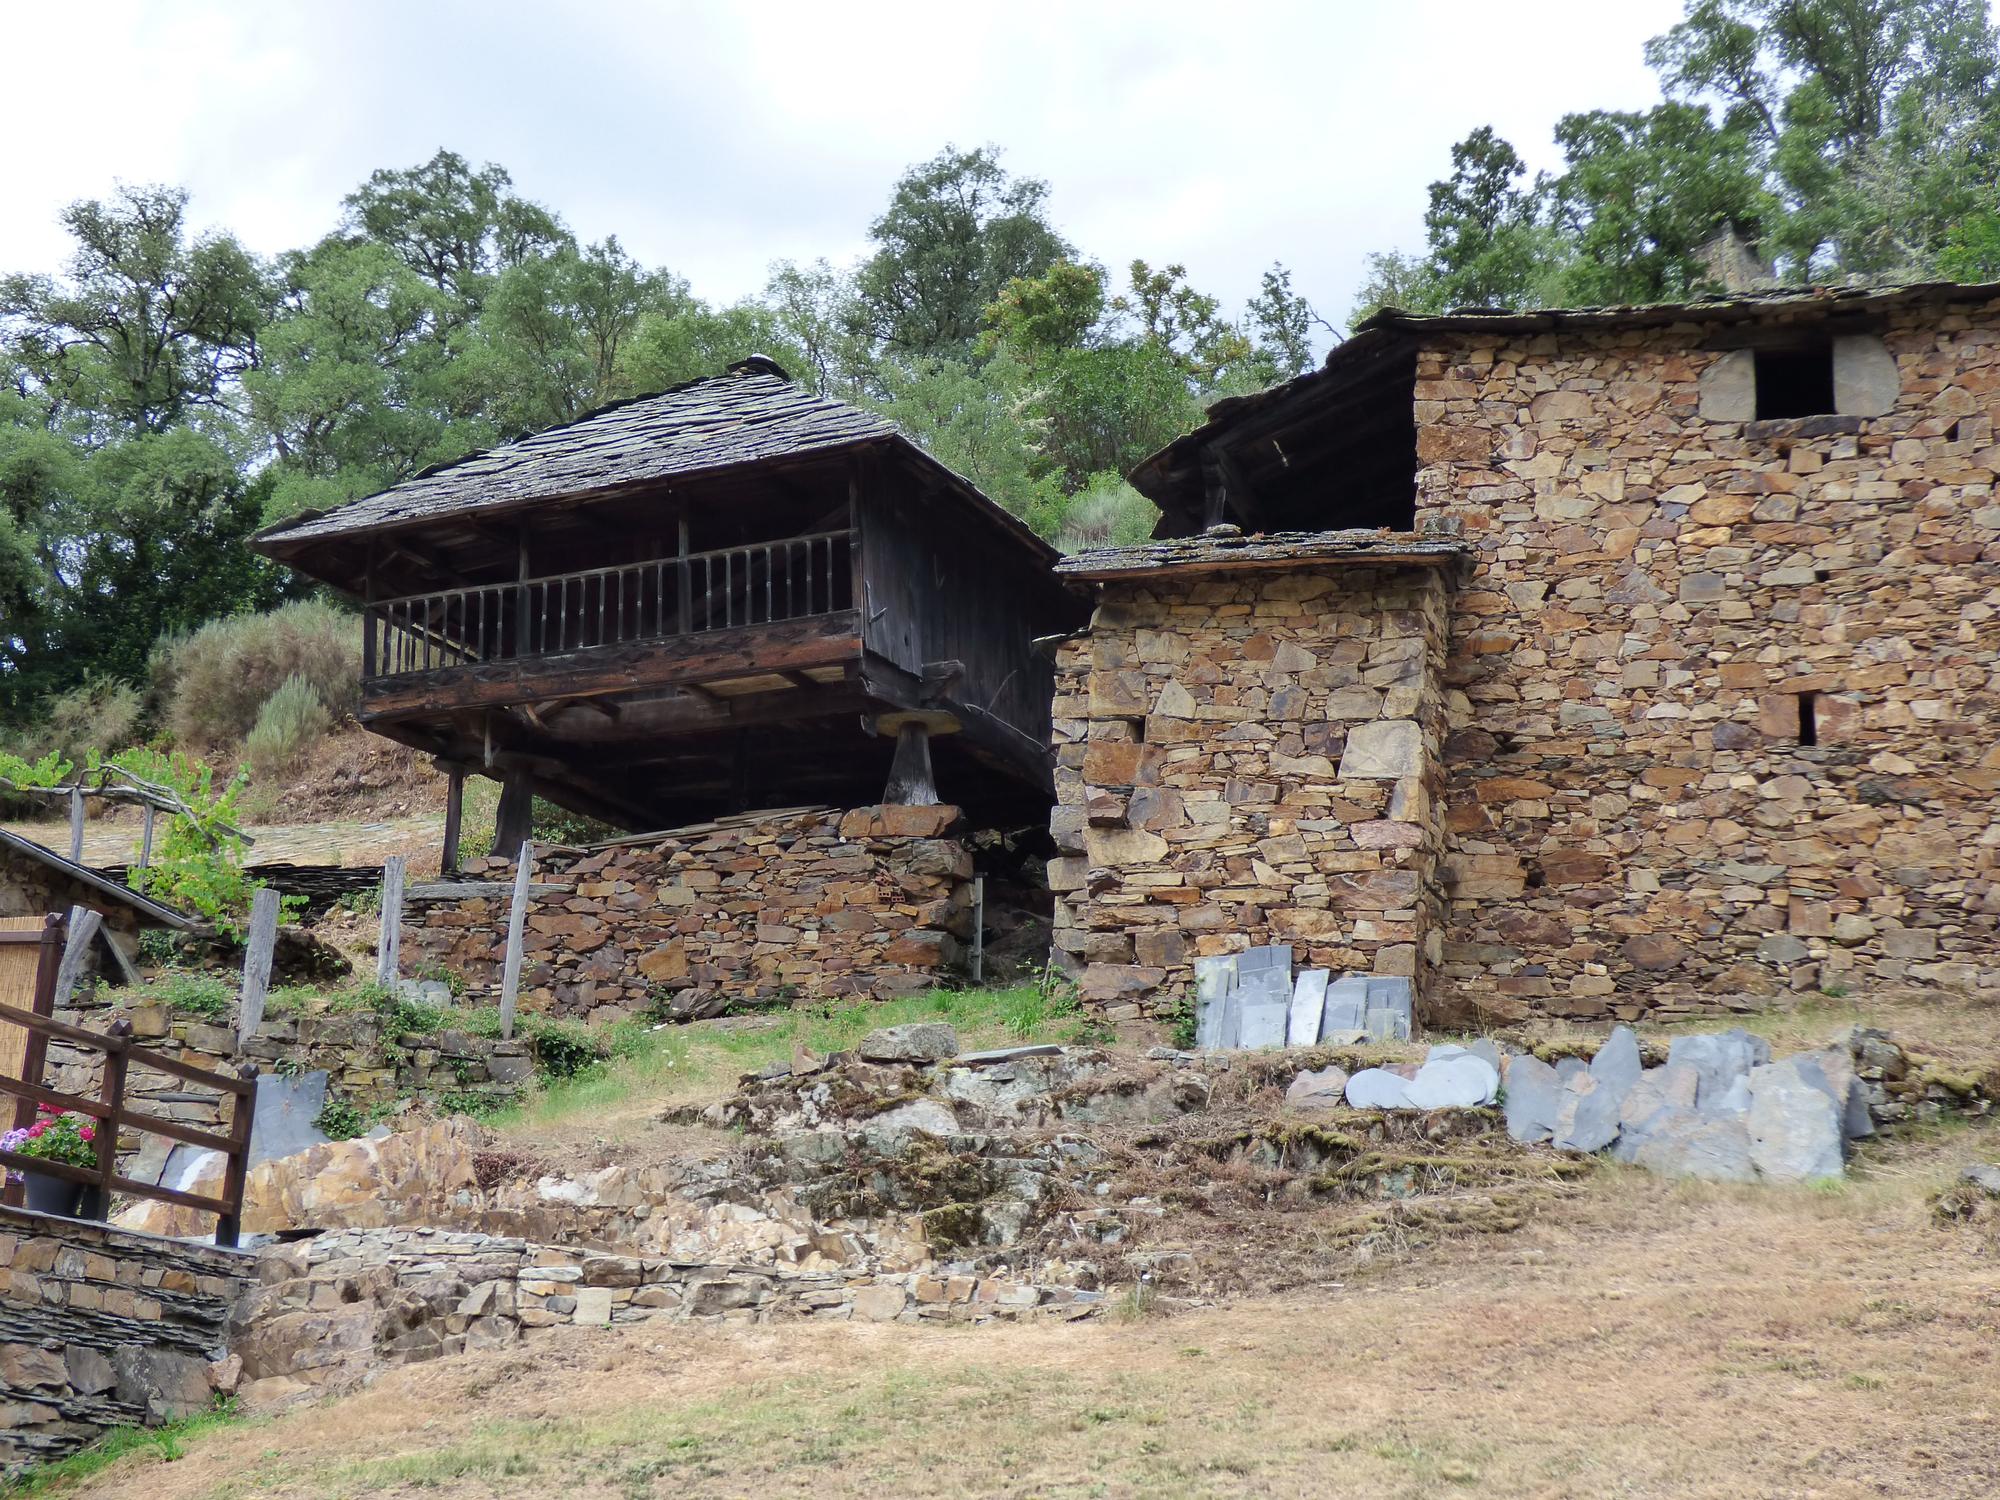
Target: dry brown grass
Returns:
[1641, 1339]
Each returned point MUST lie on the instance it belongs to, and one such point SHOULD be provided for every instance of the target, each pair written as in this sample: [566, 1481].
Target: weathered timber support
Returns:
[514, 821]
[257, 950]
[517, 922]
[389, 945]
[911, 780]
[454, 813]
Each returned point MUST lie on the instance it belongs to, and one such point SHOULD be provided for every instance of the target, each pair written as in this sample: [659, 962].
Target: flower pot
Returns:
[52, 1195]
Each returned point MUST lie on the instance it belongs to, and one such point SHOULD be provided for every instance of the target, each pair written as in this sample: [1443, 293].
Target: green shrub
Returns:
[197, 865]
[100, 716]
[291, 722]
[195, 994]
[467, 1102]
[214, 683]
[340, 1119]
[563, 1049]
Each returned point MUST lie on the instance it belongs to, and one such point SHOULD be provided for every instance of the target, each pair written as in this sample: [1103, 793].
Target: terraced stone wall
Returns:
[875, 901]
[1724, 693]
[104, 1328]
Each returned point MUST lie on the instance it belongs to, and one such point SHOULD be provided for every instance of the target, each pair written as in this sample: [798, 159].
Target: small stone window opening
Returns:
[1808, 718]
[1794, 382]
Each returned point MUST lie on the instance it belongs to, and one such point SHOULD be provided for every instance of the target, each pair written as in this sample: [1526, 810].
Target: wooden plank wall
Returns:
[956, 593]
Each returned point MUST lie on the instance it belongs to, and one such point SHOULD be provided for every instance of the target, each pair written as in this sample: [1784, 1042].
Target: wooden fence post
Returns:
[83, 925]
[97, 1199]
[263, 937]
[517, 920]
[388, 951]
[146, 838]
[76, 825]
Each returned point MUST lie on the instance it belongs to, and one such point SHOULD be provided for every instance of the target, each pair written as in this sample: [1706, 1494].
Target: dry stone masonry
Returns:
[1249, 757]
[811, 903]
[1706, 716]
[102, 1328]
[1723, 690]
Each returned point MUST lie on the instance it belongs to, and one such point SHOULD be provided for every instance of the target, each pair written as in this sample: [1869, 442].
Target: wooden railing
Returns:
[790, 579]
[110, 1114]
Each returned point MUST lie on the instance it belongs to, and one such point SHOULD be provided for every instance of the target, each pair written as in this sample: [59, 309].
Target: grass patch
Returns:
[135, 1446]
[674, 1063]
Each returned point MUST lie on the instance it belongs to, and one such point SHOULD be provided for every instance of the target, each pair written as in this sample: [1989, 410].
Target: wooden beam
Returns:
[823, 640]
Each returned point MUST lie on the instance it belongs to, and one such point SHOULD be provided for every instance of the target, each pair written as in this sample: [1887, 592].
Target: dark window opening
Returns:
[1822, 574]
[1794, 383]
[1808, 718]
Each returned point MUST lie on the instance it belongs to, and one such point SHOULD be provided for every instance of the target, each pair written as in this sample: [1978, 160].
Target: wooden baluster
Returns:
[97, 1200]
[770, 561]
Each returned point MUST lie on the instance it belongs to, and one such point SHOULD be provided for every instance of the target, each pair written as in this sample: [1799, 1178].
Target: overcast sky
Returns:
[716, 139]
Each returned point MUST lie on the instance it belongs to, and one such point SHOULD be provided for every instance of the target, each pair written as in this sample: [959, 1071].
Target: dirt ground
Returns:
[1649, 1339]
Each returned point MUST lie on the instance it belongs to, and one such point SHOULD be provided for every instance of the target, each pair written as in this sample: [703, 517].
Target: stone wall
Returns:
[330, 1311]
[367, 1065]
[1246, 758]
[102, 1328]
[1636, 824]
[875, 902]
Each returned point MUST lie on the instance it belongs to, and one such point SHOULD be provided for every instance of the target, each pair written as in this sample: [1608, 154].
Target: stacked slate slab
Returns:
[1251, 1000]
[1719, 1109]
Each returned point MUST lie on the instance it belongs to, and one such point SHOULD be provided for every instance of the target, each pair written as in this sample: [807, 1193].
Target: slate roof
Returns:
[1226, 548]
[750, 414]
[149, 910]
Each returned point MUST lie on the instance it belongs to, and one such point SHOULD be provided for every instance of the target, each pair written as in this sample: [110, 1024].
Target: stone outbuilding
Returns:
[35, 881]
[1598, 662]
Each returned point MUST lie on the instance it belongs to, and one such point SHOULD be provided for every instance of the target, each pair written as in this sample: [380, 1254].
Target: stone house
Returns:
[1587, 663]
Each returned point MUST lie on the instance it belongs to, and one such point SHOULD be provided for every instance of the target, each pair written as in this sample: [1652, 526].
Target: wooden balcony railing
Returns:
[791, 579]
[110, 1114]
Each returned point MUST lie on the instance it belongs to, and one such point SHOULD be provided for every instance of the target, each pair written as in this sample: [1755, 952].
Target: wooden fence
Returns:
[24, 1039]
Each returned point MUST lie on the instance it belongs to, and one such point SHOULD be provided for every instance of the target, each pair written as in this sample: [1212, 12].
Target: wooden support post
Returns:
[76, 825]
[83, 925]
[34, 1051]
[514, 822]
[517, 922]
[97, 1198]
[146, 838]
[388, 948]
[911, 783]
[454, 811]
[243, 1115]
[978, 929]
[263, 938]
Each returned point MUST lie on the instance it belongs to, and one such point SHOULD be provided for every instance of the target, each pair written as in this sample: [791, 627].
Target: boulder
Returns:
[1460, 1082]
[1378, 1088]
[1795, 1127]
[1684, 1143]
[1983, 1176]
[918, 1042]
[1534, 1095]
[1321, 1088]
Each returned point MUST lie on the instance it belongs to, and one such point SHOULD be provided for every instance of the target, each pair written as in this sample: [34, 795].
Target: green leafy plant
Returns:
[198, 859]
[202, 995]
[1180, 1021]
[340, 1119]
[467, 1102]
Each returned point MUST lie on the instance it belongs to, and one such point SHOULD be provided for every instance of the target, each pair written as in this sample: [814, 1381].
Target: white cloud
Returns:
[715, 139]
